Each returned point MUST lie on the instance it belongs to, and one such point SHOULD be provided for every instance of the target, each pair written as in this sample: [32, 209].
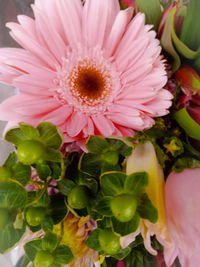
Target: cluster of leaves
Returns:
[92, 183]
[173, 147]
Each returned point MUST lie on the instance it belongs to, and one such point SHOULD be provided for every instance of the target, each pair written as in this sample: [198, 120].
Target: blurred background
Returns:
[9, 9]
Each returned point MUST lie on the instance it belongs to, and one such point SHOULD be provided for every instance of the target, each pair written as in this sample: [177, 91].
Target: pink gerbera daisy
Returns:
[90, 69]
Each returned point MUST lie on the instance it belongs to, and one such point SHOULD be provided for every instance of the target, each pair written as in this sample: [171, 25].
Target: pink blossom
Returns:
[90, 69]
[182, 200]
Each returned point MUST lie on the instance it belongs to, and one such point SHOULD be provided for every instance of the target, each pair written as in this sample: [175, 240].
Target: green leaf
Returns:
[50, 241]
[32, 247]
[103, 206]
[185, 163]
[166, 40]
[127, 227]
[12, 195]
[43, 171]
[97, 144]
[15, 136]
[112, 183]
[86, 180]
[25, 261]
[152, 10]
[191, 127]
[21, 173]
[122, 253]
[29, 131]
[9, 237]
[47, 224]
[56, 170]
[58, 208]
[91, 164]
[136, 183]
[50, 135]
[11, 160]
[53, 155]
[63, 255]
[146, 209]
[190, 28]
[120, 145]
[93, 240]
[65, 186]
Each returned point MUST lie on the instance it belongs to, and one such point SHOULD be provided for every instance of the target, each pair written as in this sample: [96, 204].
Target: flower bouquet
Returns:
[105, 125]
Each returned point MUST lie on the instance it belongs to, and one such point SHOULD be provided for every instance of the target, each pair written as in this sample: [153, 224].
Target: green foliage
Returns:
[125, 228]
[63, 255]
[146, 209]
[136, 183]
[185, 162]
[112, 183]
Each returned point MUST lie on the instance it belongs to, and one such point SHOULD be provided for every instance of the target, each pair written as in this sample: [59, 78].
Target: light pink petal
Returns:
[119, 26]
[20, 36]
[70, 16]
[58, 116]
[95, 12]
[104, 125]
[52, 40]
[75, 123]
[89, 128]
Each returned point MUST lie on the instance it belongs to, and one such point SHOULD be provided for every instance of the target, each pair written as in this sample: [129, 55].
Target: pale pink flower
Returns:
[182, 200]
[90, 69]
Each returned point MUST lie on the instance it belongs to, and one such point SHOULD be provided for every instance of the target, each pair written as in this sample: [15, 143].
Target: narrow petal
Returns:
[104, 125]
[75, 123]
[58, 116]
[94, 12]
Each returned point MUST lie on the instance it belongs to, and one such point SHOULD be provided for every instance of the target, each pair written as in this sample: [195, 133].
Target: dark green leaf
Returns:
[136, 183]
[185, 163]
[50, 241]
[88, 181]
[29, 131]
[91, 164]
[97, 144]
[44, 200]
[152, 10]
[32, 247]
[25, 261]
[9, 237]
[103, 206]
[11, 160]
[93, 240]
[112, 183]
[15, 136]
[47, 224]
[63, 255]
[21, 173]
[56, 170]
[120, 146]
[53, 155]
[58, 208]
[189, 30]
[146, 209]
[122, 253]
[65, 186]
[127, 227]
[43, 171]
[160, 155]
[12, 195]
[50, 135]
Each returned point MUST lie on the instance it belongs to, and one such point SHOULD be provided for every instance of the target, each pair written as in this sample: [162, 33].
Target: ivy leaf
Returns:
[125, 228]
[63, 255]
[112, 183]
[93, 240]
[11, 160]
[9, 237]
[29, 131]
[136, 183]
[146, 209]
[50, 135]
[103, 206]
[43, 171]
[21, 173]
[12, 195]
[120, 145]
[32, 247]
[91, 164]
[65, 186]
[97, 144]
[53, 155]
[15, 136]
